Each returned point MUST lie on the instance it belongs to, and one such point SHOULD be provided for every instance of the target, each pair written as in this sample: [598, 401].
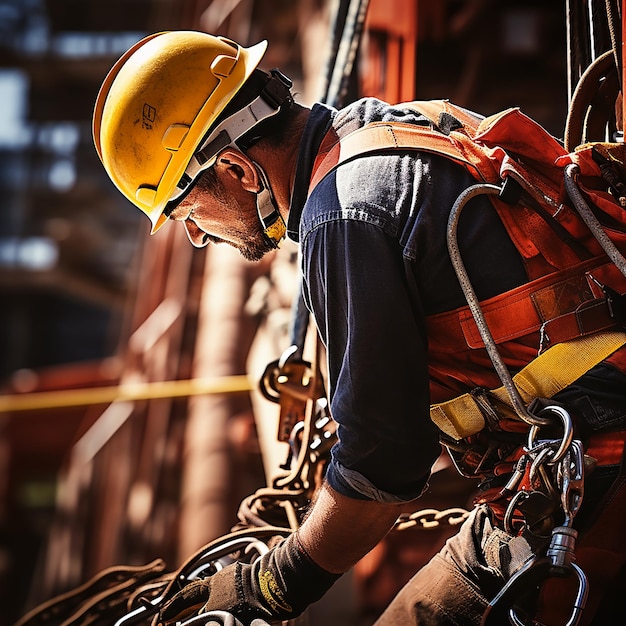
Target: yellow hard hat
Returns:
[156, 106]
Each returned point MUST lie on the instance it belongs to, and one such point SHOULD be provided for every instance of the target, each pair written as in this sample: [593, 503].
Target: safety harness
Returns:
[569, 317]
[574, 291]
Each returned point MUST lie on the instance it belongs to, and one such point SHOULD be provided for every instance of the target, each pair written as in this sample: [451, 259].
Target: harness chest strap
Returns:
[551, 372]
[519, 311]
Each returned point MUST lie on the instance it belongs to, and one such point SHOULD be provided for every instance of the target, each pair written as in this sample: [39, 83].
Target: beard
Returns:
[255, 246]
[249, 240]
[247, 235]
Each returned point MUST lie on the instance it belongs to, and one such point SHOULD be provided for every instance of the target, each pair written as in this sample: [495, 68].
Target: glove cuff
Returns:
[287, 580]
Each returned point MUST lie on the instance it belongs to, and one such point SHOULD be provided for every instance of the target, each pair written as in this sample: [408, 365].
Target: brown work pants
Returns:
[455, 587]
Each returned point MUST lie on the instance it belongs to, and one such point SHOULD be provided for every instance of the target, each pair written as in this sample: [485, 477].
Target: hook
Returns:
[474, 305]
[531, 576]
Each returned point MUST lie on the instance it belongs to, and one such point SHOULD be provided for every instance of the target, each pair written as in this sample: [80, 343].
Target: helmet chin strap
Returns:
[273, 224]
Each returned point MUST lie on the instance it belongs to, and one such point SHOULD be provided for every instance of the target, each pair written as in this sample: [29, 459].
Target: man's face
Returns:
[219, 210]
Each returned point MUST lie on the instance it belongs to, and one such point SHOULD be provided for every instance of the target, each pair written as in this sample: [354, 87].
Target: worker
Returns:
[192, 130]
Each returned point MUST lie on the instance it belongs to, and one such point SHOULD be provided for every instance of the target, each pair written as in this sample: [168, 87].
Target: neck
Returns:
[279, 162]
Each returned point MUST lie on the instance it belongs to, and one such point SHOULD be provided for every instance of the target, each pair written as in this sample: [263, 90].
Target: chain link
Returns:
[432, 519]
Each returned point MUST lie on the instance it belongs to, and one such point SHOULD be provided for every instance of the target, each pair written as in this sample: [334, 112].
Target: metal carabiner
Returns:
[532, 575]
[527, 577]
[571, 478]
[568, 432]
[507, 521]
[578, 604]
[537, 465]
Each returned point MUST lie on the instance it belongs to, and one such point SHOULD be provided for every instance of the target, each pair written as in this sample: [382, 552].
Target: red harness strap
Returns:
[607, 448]
[553, 302]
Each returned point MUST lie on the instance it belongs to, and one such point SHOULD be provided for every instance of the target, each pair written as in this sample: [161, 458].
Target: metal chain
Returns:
[432, 519]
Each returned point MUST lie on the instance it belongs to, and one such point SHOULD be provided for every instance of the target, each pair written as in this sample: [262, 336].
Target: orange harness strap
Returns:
[536, 306]
[379, 136]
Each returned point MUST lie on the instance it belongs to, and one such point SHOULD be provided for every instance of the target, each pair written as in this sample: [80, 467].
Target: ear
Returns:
[197, 237]
[239, 166]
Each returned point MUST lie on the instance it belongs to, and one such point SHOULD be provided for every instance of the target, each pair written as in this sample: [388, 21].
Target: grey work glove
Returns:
[277, 586]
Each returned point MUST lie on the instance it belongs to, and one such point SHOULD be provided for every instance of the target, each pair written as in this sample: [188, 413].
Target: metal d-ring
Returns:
[457, 262]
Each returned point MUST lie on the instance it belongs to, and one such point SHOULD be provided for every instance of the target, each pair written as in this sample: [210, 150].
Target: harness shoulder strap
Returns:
[446, 116]
[455, 141]
[380, 136]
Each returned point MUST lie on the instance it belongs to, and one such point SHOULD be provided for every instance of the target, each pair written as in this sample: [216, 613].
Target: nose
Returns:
[195, 234]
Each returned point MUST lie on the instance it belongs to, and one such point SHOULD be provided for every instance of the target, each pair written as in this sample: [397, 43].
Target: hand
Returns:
[277, 586]
[186, 603]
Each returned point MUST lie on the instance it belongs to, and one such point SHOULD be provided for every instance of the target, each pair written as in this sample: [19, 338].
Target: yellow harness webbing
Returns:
[551, 372]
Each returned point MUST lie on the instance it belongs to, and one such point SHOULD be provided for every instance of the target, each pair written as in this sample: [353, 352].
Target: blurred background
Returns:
[90, 302]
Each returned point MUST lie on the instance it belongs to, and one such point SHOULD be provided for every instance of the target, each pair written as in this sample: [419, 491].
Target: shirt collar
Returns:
[317, 126]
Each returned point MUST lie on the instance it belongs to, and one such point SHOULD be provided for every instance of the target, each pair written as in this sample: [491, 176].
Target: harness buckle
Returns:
[617, 305]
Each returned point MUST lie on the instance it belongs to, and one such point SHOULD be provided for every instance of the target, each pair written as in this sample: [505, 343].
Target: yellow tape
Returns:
[125, 392]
